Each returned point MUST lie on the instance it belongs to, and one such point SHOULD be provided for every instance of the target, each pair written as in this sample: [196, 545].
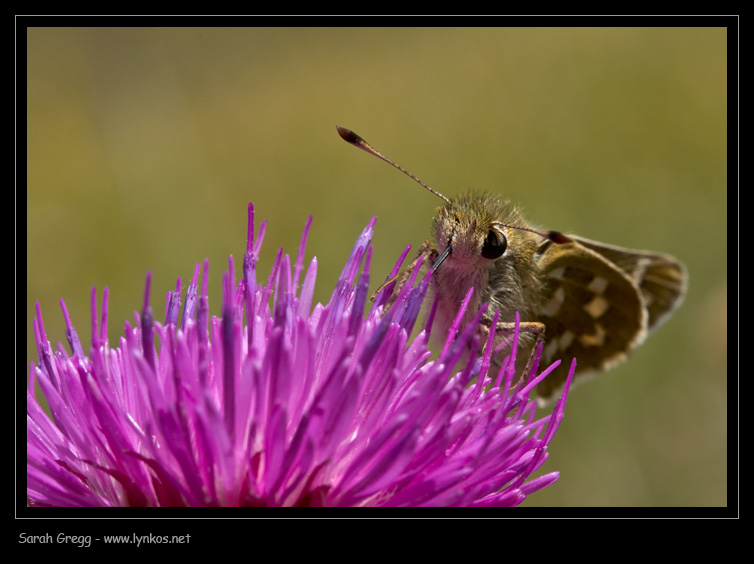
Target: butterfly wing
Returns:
[661, 278]
[592, 310]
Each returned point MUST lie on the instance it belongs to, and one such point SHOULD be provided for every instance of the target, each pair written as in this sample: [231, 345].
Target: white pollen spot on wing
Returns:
[597, 307]
[595, 340]
[565, 340]
[551, 349]
[552, 307]
[597, 285]
[557, 273]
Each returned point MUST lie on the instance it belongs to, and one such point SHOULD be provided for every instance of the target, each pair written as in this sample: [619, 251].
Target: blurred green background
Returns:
[145, 146]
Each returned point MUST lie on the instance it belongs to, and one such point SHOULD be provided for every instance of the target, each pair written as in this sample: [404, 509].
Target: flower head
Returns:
[296, 405]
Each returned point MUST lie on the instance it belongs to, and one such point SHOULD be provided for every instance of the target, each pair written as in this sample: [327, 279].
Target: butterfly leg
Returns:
[507, 328]
[424, 256]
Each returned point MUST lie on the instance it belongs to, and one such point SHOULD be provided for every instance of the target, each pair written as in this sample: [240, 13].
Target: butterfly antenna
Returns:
[357, 141]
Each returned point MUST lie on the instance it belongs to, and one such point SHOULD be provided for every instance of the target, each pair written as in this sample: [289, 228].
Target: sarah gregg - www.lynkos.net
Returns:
[85, 541]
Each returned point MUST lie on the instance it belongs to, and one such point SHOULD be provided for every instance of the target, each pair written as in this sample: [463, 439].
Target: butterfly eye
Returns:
[494, 245]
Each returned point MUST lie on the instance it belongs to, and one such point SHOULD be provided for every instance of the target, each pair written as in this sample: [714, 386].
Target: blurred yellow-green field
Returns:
[146, 144]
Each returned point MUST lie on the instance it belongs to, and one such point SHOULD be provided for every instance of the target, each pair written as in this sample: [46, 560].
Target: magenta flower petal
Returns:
[281, 403]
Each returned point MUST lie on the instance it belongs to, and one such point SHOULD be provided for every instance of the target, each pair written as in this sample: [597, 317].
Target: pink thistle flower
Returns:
[295, 406]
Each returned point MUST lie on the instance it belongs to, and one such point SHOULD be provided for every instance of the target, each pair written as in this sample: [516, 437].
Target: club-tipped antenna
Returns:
[355, 140]
[555, 236]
